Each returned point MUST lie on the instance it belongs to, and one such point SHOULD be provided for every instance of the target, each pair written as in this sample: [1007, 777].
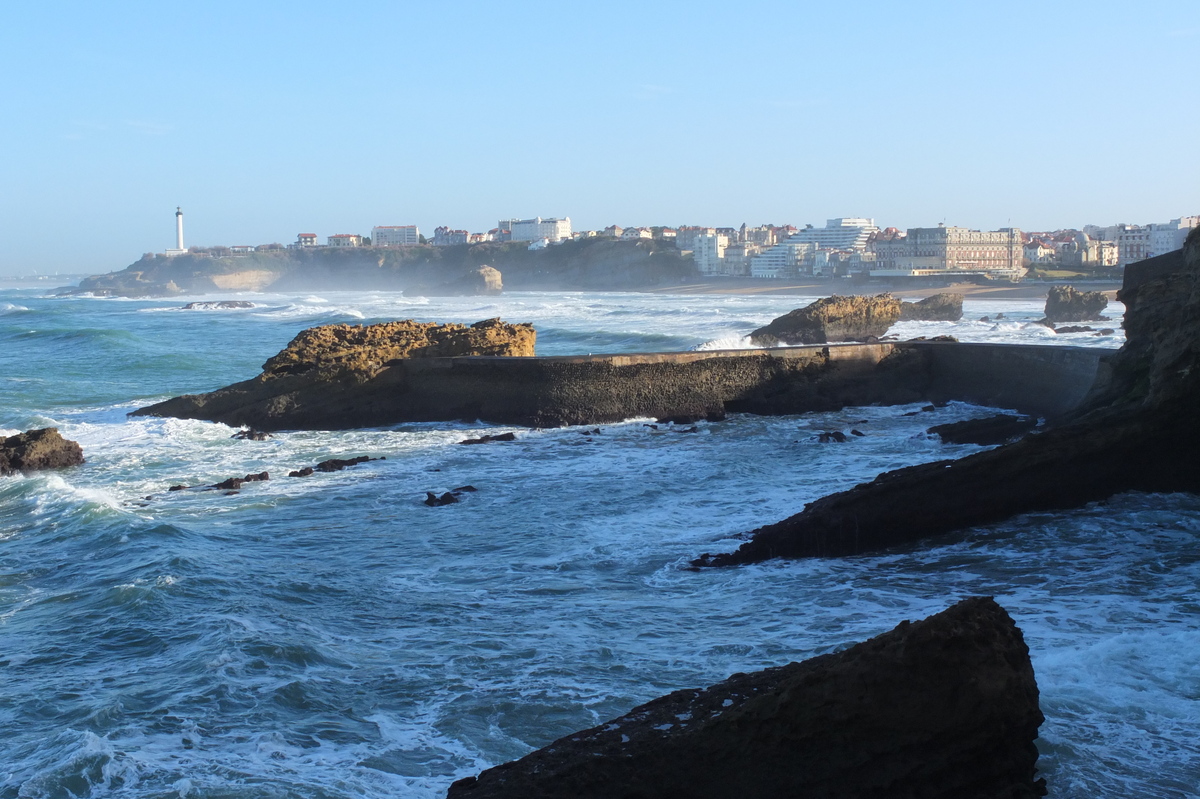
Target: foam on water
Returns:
[332, 636]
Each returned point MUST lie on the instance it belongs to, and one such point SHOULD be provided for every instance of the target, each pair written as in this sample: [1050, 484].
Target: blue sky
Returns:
[265, 119]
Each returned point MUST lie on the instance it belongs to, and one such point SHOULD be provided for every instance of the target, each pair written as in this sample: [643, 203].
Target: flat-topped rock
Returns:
[942, 708]
[944, 307]
[1066, 304]
[831, 319]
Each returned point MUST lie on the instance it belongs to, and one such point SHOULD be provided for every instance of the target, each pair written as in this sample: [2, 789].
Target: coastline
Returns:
[824, 288]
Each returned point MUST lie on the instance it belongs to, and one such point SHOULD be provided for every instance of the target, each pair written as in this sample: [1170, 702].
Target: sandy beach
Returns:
[823, 288]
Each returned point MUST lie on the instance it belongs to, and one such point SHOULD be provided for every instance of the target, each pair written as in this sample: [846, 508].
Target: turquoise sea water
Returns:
[334, 637]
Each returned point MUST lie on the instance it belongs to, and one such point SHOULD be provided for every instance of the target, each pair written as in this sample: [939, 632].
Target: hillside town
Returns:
[845, 246]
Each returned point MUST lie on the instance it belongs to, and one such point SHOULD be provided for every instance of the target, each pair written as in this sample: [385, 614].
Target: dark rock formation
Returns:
[434, 501]
[1065, 304]
[251, 435]
[1072, 329]
[217, 305]
[1138, 430]
[936, 308]
[307, 471]
[337, 464]
[997, 429]
[943, 708]
[37, 450]
[481, 281]
[831, 319]
[234, 483]
[490, 439]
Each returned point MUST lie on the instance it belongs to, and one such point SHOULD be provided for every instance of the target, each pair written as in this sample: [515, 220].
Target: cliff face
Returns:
[573, 265]
[942, 708]
[1137, 430]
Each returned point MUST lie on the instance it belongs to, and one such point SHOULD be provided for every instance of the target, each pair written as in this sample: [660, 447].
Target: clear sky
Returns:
[264, 119]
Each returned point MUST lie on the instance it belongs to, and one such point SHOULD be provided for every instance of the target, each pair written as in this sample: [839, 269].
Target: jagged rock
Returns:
[251, 435]
[489, 439]
[831, 319]
[218, 305]
[323, 378]
[1065, 304]
[942, 708]
[337, 464]
[996, 429]
[836, 436]
[307, 471]
[234, 483]
[481, 281]
[434, 501]
[937, 308]
[1072, 329]
[1136, 431]
[38, 449]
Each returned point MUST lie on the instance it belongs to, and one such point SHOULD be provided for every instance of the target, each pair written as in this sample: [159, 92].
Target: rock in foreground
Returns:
[942, 307]
[1065, 304]
[831, 319]
[36, 450]
[941, 708]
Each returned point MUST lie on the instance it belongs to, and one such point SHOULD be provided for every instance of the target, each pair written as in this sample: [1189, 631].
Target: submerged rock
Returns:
[1137, 430]
[217, 305]
[831, 319]
[942, 708]
[38, 449]
[490, 439]
[1065, 304]
[943, 307]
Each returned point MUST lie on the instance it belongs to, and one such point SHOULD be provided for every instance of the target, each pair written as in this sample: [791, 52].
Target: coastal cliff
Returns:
[1136, 430]
[586, 264]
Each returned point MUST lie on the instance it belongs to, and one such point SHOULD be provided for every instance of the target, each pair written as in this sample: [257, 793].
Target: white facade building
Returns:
[395, 235]
[709, 253]
[344, 240]
[1170, 236]
[782, 260]
[555, 230]
[843, 233]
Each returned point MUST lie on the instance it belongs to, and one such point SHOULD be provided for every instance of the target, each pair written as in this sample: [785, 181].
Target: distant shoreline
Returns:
[825, 288]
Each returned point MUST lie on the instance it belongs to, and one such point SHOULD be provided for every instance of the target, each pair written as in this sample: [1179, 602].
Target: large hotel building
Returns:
[943, 251]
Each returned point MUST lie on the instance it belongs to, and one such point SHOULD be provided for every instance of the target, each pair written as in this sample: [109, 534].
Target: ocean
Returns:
[333, 636]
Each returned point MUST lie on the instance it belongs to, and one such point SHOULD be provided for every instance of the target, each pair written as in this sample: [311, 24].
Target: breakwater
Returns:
[591, 389]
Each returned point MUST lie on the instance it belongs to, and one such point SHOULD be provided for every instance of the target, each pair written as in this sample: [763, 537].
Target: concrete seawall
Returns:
[593, 389]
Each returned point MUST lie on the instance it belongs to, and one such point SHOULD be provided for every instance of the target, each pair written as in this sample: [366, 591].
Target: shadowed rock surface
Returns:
[831, 319]
[943, 307]
[1138, 430]
[943, 708]
[997, 429]
[37, 450]
[480, 281]
[1065, 304]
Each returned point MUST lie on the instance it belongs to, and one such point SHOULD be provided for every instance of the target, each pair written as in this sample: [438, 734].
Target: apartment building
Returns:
[554, 230]
[944, 251]
[395, 235]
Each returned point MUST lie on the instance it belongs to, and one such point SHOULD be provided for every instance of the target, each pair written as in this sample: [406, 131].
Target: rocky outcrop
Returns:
[1065, 304]
[481, 281]
[831, 319]
[943, 307]
[328, 377]
[942, 708]
[37, 450]
[1136, 431]
[998, 429]
[362, 350]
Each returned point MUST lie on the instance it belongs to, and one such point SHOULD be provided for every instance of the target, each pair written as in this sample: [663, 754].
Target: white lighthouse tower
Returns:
[179, 248]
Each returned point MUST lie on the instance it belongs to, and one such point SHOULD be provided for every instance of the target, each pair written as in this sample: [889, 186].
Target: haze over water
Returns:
[334, 637]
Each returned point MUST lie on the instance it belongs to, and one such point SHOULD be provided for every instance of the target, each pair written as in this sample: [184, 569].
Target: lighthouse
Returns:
[179, 248]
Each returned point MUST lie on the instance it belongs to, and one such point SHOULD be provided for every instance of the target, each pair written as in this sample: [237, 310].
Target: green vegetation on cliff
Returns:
[585, 264]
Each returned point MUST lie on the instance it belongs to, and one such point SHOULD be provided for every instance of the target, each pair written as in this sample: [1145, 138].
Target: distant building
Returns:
[1170, 236]
[843, 233]
[685, 237]
[395, 235]
[344, 240]
[737, 259]
[1133, 243]
[446, 237]
[782, 260]
[613, 231]
[637, 233]
[950, 251]
[709, 253]
[241, 249]
[555, 230]
[306, 240]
